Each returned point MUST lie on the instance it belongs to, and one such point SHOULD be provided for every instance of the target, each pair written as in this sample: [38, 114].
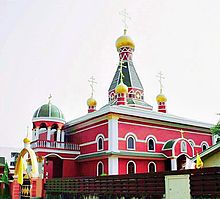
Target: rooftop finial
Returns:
[92, 82]
[49, 98]
[125, 16]
[27, 131]
[120, 70]
[160, 76]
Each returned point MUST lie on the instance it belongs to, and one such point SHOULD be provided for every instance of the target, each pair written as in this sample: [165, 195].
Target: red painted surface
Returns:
[70, 168]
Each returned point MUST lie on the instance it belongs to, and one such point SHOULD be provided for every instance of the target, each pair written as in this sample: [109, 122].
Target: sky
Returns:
[55, 46]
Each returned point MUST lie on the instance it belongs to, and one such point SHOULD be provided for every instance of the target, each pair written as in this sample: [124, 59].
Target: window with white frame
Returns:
[131, 167]
[192, 143]
[183, 146]
[205, 146]
[100, 143]
[151, 167]
[151, 144]
[130, 143]
[100, 168]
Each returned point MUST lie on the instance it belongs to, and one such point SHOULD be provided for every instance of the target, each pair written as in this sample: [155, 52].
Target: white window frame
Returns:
[131, 161]
[148, 166]
[97, 141]
[148, 139]
[100, 162]
[204, 143]
[183, 142]
[131, 136]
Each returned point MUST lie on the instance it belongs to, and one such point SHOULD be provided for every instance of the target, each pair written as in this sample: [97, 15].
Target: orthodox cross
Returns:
[120, 70]
[92, 82]
[160, 76]
[125, 16]
[182, 133]
[49, 98]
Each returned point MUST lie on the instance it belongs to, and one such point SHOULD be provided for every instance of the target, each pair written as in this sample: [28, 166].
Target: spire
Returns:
[26, 140]
[161, 99]
[91, 102]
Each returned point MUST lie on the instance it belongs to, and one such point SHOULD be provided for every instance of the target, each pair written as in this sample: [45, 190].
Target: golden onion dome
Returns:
[91, 102]
[124, 40]
[121, 88]
[161, 98]
[26, 140]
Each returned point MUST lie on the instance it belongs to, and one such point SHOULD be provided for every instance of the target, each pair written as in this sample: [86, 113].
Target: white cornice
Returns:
[137, 112]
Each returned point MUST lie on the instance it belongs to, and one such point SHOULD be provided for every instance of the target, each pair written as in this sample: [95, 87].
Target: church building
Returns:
[123, 137]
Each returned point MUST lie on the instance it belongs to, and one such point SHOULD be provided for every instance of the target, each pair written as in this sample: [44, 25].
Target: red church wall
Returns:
[161, 135]
[141, 165]
[70, 168]
[43, 136]
[89, 136]
[89, 168]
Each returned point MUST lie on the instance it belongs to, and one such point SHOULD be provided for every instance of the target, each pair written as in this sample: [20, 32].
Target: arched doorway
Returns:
[181, 161]
[53, 167]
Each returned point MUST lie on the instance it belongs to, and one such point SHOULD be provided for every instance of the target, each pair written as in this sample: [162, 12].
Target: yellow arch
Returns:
[34, 170]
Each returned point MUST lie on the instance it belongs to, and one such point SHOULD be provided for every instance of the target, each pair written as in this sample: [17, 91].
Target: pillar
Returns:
[48, 135]
[113, 165]
[15, 189]
[173, 164]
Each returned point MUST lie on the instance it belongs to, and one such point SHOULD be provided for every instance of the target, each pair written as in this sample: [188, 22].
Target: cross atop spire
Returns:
[125, 17]
[120, 70]
[92, 82]
[49, 98]
[160, 76]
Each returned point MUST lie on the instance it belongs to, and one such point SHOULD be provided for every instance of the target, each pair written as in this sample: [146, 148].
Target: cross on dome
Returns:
[125, 16]
[49, 98]
[160, 76]
[92, 82]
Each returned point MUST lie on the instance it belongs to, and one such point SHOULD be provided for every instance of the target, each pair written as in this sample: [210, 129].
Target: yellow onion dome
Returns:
[91, 102]
[124, 40]
[121, 88]
[161, 98]
[26, 140]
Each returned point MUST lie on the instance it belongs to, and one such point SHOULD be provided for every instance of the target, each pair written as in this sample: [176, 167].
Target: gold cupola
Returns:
[161, 98]
[124, 41]
[121, 88]
[91, 102]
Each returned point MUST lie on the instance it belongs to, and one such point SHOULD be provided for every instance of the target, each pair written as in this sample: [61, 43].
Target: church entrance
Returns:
[26, 189]
[181, 161]
[53, 167]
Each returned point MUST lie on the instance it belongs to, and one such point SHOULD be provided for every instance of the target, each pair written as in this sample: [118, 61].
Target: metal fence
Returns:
[204, 183]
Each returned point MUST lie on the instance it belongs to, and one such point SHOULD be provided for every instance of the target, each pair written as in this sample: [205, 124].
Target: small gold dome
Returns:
[161, 98]
[26, 140]
[91, 102]
[121, 88]
[124, 40]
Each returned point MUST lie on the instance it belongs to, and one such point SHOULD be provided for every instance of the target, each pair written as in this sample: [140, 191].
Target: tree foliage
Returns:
[216, 129]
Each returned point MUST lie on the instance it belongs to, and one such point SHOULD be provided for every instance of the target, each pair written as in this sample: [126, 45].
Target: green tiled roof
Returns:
[169, 144]
[48, 110]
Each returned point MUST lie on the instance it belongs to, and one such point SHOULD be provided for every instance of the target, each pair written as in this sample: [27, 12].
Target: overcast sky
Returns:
[55, 46]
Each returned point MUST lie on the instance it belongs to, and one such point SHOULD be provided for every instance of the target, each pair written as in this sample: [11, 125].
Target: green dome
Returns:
[49, 111]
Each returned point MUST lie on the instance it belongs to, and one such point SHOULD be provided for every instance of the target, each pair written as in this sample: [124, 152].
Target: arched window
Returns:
[100, 168]
[100, 143]
[131, 167]
[151, 144]
[204, 146]
[151, 167]
[192, 143]
[183, 146]
[131, 143]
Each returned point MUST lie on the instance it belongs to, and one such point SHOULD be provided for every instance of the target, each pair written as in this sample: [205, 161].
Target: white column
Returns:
[37, 133]
[113, 165]
[33, 135]
[48, 136]
[58, 135]
[173, 164]
[113, 132]
[62, 136]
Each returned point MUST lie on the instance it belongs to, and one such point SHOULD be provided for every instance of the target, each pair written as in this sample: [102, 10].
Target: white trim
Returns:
[97, 167]
[147, 114]
[183, 146]
[56, 151]
[92, 142]
[144, 152]
[148, 149]
[164, 128]
[155, 166]
[130, 134]
[113, 134]
[98, 137]
[48, 119]
[128, 137]
[91, 127]
[54, 154]
[131, 161]
[112, 165]
[204, 143]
